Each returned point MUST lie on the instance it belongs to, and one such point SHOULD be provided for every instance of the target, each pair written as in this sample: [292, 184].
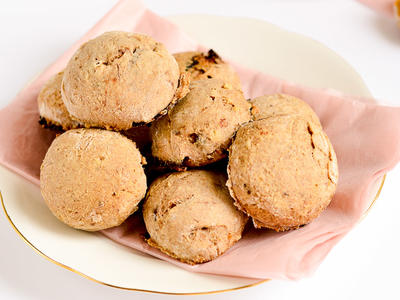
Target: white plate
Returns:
[253, 43]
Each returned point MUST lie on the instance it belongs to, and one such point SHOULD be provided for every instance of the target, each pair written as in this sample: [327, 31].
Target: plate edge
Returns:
[150, 291]
[107, 284]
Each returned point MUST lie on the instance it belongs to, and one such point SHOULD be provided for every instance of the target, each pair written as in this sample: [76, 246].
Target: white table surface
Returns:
[364, 265]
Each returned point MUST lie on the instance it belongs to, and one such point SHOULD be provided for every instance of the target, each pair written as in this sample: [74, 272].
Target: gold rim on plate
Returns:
[149, 291]
[104, 283]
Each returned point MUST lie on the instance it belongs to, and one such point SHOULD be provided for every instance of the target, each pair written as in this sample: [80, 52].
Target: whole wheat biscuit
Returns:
[282, 171]
[207, 65]
[92, 179]
[198, 130]
[52, 110]
[120, 79]
[280, 105]
[190, 216]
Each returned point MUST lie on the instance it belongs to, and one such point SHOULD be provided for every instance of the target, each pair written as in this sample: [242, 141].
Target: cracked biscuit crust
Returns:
[92, 179]
[198, 130]
[190, 216]
[207, 65]
[282, 171]
[119, 79]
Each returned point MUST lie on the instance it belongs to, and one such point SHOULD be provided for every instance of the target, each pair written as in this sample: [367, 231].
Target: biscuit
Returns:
[207, 65]
[190, 216]
[282, 171]
[92, 179]
[280, 105]
[52, 111]
[198, 130]
[120, 79]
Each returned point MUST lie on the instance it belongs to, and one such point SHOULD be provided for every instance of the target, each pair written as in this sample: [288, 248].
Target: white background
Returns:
[364, 265]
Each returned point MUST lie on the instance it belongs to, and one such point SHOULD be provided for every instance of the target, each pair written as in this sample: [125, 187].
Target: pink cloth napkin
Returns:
[366, 138]
[388, 8]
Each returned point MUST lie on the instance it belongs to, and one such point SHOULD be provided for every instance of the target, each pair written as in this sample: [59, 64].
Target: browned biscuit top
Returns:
[92, 179]
[280, 105]
[207, 65]
[118, 79]
[198, 130]
[190, 216]
[282, 171]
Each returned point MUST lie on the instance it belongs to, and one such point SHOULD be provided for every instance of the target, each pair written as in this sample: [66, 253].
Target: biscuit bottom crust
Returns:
[198, 260]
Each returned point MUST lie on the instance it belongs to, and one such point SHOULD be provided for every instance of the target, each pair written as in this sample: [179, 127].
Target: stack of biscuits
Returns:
[173, 138]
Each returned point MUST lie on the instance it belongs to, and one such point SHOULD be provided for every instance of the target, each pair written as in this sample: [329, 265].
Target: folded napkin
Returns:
[366, 138]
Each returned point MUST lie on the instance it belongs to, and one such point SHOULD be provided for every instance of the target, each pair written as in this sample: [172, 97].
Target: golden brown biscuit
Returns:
[92, 179]
[190, 216]
[119, 79]
[207, 65]
[53, 113]
[280, 105]
[282, 171]
[198, 130]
